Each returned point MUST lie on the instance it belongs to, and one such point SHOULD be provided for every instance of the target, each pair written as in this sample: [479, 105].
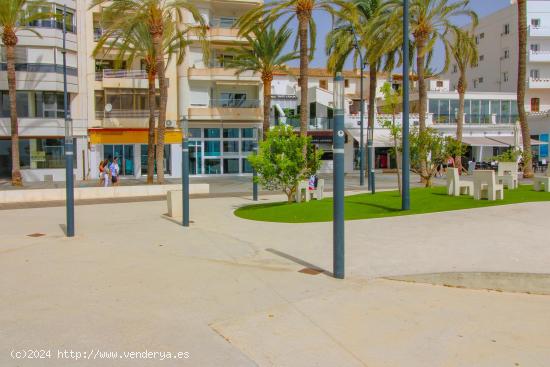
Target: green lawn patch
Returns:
[380, 205]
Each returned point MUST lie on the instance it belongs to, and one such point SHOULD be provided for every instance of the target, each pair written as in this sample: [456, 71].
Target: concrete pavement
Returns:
[233, 292]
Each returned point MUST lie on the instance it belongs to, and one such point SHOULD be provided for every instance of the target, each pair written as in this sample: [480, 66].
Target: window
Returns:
[212, 148]
[212, 166]
[480, 80]
[231, 165]
[323, 84]
[231, 133]
[247, 146]
[210, 133]
[37, 153]
[69, 19]
[477, 40]
[231, 147]
[248, 133]
[505, 77]
[506, 54]
[535, 22]
[534, 73]
[439, 84]
[482, 36]
[194, 133]
[227, 22]
[475, 83]
[455, 68]
[247, 168]
[34, 104]
[231, 100]
[346, 83]
[535, 47]
[507, 28]
[481, 57]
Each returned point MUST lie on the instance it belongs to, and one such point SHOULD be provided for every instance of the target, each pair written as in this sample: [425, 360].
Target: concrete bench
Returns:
[542, 183]
[457, 187]
[486, 187]
[174, 200]
[507, 174]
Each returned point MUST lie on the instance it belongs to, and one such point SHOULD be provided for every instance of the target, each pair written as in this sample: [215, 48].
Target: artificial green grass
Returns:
[380, 205]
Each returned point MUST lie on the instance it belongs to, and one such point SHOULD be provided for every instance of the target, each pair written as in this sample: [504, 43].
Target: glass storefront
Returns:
[214, 151]
[42, 153]
[167, 159]
[476, 111]
[32, 104]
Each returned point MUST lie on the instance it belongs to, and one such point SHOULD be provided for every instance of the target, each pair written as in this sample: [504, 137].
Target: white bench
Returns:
[507, 174]
[486, 187]
[457, 187]
[540, 181]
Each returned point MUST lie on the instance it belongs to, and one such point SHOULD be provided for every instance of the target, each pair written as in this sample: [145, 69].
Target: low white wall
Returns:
[37, 195]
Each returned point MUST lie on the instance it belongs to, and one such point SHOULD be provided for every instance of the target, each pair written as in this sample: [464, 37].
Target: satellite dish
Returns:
[108, 107]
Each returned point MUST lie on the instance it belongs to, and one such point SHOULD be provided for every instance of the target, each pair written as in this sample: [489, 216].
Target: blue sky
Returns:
[323, 21]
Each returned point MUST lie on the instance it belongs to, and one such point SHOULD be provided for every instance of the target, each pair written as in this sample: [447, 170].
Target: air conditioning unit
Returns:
[170, 123]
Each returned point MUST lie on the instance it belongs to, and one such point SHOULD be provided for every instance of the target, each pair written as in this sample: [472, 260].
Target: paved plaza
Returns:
[233, 292]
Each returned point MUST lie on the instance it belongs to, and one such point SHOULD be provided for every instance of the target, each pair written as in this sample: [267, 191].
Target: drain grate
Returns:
[36, 234]
[310, 271]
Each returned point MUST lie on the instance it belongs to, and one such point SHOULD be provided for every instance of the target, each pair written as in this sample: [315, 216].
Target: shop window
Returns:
[212, 166]
[231, 166]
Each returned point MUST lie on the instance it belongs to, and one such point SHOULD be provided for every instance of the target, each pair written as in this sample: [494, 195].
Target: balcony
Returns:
[539, 83]
[222, 109]
[218, 73]
[111, 78]
[539, 56]
[539, 31]
[315, 124]
[122, 119]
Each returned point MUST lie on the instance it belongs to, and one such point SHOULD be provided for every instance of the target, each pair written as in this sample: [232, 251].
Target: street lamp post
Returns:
[254, 173]
[338, 136]
[362, 112]
[69, 149]
[405, 199]
[185, 170]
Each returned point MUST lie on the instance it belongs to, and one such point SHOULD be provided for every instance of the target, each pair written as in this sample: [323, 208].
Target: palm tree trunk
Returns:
[303, 24]
[397, 156]
[460, 118]
[373, 79]
[522, 52]
[422, 100]
[151, 132]
[159, 60]
[267, 79]
[10, 40]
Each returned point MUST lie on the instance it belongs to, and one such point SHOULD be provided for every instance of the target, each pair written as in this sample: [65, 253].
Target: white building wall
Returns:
[498, 52]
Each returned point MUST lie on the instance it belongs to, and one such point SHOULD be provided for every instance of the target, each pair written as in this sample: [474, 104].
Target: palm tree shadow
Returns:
[307, 265]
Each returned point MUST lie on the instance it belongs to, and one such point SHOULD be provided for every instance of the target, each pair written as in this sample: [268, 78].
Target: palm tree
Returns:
[15, 16]
[464, 52]
[263, 55]
[135, 42]
[522, 62]
[430, 22]
[155, 14]
[287, 10]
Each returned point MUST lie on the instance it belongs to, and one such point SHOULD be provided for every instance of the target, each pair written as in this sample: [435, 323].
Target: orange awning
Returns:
[130, 136]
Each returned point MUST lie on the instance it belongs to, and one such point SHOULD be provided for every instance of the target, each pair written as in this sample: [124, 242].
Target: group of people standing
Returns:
[108, 172]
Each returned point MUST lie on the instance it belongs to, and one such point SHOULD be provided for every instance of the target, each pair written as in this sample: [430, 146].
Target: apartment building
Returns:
[118, 108]
[40, 107]
[497, 39]
[224, 110]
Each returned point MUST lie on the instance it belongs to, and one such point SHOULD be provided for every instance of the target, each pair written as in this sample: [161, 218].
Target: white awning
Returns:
[480, 141]
[382, 138]
[509, 140]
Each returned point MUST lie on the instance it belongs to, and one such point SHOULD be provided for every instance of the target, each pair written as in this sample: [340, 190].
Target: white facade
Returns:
[39, 73]
[497, 38]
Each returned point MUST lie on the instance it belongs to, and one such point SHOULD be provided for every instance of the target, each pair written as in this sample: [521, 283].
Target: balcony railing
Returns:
[121, 74]
[539, 56]
[234, 103]
[123, 114]
[318, 123]
[539, 31]
[539, 83]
